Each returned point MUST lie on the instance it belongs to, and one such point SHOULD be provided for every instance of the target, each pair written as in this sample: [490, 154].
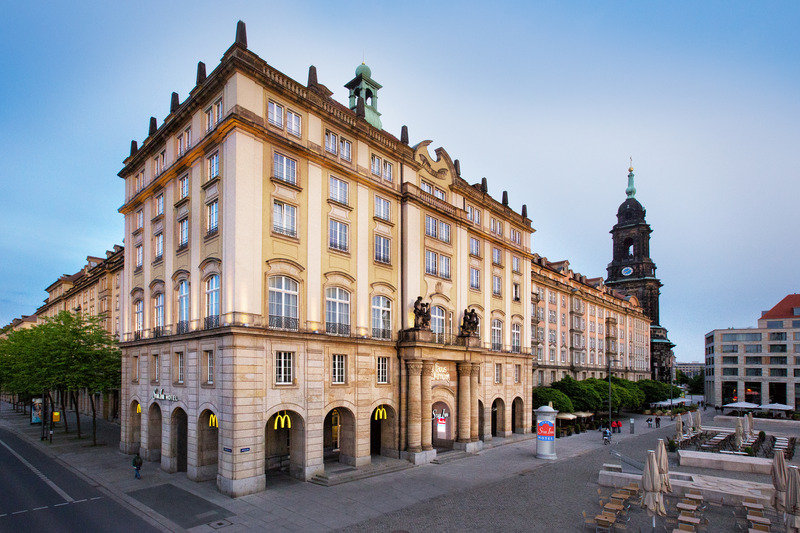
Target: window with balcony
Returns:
[284, 168]
[283, 298]
[183, 306]
[381, 318]
[212, 302]
[474, 278]
[138, 319]
[337, 236]
[497, 335]
[382, 249]
[383, 208]
[284, 219]
[212, 217]
[337, 311]
[338, 190]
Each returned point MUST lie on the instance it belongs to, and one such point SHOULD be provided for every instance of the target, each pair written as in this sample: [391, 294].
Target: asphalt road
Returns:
[39, 494]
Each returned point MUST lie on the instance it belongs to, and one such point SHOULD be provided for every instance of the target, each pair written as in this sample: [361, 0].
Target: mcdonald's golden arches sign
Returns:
[284, 420]
[380, 413]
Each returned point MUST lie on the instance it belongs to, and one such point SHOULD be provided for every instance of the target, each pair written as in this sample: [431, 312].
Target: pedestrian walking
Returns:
[137, 466]
[658, 422]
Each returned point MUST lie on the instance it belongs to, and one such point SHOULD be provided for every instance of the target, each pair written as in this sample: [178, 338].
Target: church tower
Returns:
[364, 95]
[632, 272]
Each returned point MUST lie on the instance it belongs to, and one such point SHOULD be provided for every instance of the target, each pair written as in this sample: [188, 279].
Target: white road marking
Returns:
[60, 504]
[41, 476]
[19, 512]
[39, 508]
[79, 501]
[47, 506]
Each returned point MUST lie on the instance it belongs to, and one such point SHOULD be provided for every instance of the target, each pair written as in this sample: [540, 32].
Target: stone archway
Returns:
[154, 433]
[134, 434]
[383, 432]
[179, 441]
[498, 418]
[285, 444]
[442, 430]
[339, 436]
[517, 416]
[207, 447]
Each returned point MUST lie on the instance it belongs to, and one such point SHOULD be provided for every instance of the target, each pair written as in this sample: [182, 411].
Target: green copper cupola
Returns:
[364, 89]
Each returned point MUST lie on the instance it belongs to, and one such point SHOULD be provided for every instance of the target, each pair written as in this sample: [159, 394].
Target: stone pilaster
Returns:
[426, 407]
[414, 406]
[473, 381]
[464, 400]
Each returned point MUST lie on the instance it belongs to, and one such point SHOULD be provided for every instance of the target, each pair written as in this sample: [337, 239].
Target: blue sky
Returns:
[545, 99]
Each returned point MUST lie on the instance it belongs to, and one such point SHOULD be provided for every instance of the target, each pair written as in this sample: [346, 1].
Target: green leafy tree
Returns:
[582, 396]
[681, 378]
[697, 383]
[543, 395]
[654, 391]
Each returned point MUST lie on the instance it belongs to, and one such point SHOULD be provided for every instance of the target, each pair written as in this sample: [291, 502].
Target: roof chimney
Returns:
[174, 103]
[404, 135]
[241, 34]
[484, 186]
[134, 148]
[505, 198]
[201, 73]
[312, 76]
[524, 211]
[153, 126]
[457, 164]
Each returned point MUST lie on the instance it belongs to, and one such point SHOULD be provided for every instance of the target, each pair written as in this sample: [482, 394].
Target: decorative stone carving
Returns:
[422, 314]
[469, 323]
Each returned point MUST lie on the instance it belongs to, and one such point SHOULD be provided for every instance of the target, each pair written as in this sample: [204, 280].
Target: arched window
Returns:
[138, 319]
[158, 315]
[516, 338]
[212, 302]
[381, 317]
[497, 335]
[183, 306]
[283, 303]
[337, 311]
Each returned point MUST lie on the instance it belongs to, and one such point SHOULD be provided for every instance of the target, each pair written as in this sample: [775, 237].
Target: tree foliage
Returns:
[543, 395]
[697, 384]
[583, 396]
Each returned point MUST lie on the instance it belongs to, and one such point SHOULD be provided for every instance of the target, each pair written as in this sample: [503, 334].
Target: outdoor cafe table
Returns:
[693, 496]
[605, 518]
[689, 520]
[759, 520]
[620, 496]
[686, 507]
[613, 507]
[751, 505]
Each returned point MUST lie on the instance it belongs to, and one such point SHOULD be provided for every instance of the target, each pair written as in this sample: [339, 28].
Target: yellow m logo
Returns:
[284, 420]
[138, 408]
[212, 421]
[380, 413]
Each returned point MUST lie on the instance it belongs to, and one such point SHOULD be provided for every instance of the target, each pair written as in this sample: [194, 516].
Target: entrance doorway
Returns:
[481, 420]
[498, 418]
[339, 436]
[207, 446]
[154, 433]
[284, 438]
[382, 438]
[517, 416]
[180, 438]
[134, 427]
[442, 426]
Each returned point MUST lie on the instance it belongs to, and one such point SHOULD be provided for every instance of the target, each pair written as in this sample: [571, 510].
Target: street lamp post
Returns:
[671, 362]
[610, 360]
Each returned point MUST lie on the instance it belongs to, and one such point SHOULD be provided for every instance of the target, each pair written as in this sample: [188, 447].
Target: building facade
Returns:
[632, 272]
[304, 287]
[759, 365]
[692, 369]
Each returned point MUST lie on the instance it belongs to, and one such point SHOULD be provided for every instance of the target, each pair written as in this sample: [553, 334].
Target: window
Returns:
[184, 141]
[552, 355]
[183, 233]
[752, 360]
[139, 219]
[139, 256]
[275, 114]
[284, 168]
[183, 186]
[497, 226]
[497, 286]
[345, 151]
[740, 337]
[474, 214]
[212, 166]
[382, 249]
[474, 247]
[213, 115]
[730, 371]
[516, 237]
[440, 194]
[444, 266]
[158, 314]
[211, 212]
[160, 204]
[283, 303]
[778, 373]
[774, 324]
[517, 373]
[338, 236]
[158, 246]
[208, 366]
[426, 187]
[337, 311]
[383, 370]
[498, 372]
[338, 190]
[431, 226]
[444, 231]
[331, 142]
[497, 335]
[284, 219]
[283, 368]
[381, 317]
[159, 163]
[474, 278]
[437, 320]
[777, 360]
[497, 256]
[730, 360]
[375, 165]
[212, 302]
[180, 366]
[431, 263]
[515, 264]
[777, 336]
[383, 209]
[293, 122]
[752, 371]
[183, 306]
[777, 348]
[516, 339]
[387, 171]
[135, 368]
[156, 369]
[337, 369]
[730, 348]
[138, 317]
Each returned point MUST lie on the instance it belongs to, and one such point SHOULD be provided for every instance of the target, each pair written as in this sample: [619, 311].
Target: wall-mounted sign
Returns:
[283, 419]
[546, 430]
[380, 413]
[244, 450]
[440, 373]
[227, 450]
[161, 396]
[212, 421]
[441, 426]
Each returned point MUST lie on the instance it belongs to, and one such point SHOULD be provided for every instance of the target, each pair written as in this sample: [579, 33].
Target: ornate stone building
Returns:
[633, 272]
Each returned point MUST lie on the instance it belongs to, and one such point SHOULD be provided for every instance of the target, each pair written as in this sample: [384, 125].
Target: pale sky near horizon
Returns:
[547, 100]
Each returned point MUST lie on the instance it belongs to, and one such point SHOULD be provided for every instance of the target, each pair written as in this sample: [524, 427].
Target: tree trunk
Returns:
[77, 414]
[63, 412]
[94, 420]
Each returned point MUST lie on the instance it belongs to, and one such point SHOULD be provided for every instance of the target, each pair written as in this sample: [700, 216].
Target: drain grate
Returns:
[219, 524]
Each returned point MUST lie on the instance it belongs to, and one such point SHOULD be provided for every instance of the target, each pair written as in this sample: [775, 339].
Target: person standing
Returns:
[658, 422]
[137, 466]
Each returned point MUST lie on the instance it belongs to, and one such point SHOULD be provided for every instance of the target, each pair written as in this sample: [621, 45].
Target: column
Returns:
[425, 410]
[473, 389]
[414, 413]
[464, 418]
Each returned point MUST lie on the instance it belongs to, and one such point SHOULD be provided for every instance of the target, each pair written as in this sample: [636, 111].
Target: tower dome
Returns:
[363, 70]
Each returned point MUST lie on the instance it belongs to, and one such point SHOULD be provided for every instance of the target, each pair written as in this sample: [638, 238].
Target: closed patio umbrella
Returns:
[737, 436]
[679, 427]
[752, 422]
[699, 427]
[780, 478]
[689, 421]
[653, 499]
[663, 466]
[746, 425]
[793, 502]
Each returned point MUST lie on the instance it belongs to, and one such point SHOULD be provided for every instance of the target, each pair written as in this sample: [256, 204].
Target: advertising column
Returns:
[546, 432]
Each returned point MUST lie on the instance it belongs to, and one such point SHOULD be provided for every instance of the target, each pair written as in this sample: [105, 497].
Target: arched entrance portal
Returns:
[284, 438]
[481, 420]
[154, 433]
[134, 427]
[207, 447]
[498, 418]
[442, 434]
[339, 436]
[180, 439]
[517, 416]
[382, 432]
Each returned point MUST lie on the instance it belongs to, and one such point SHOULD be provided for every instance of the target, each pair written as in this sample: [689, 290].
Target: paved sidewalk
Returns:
[178, 504]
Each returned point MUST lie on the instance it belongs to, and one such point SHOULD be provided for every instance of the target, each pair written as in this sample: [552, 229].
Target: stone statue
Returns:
[422, 314]
[469, 324]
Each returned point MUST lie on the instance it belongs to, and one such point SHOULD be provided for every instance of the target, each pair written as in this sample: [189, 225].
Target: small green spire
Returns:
[631, 190]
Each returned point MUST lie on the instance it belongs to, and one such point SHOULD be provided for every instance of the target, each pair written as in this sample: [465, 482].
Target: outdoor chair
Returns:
[603, 526]
[686, 527]
[588, 523]
[760, 527]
